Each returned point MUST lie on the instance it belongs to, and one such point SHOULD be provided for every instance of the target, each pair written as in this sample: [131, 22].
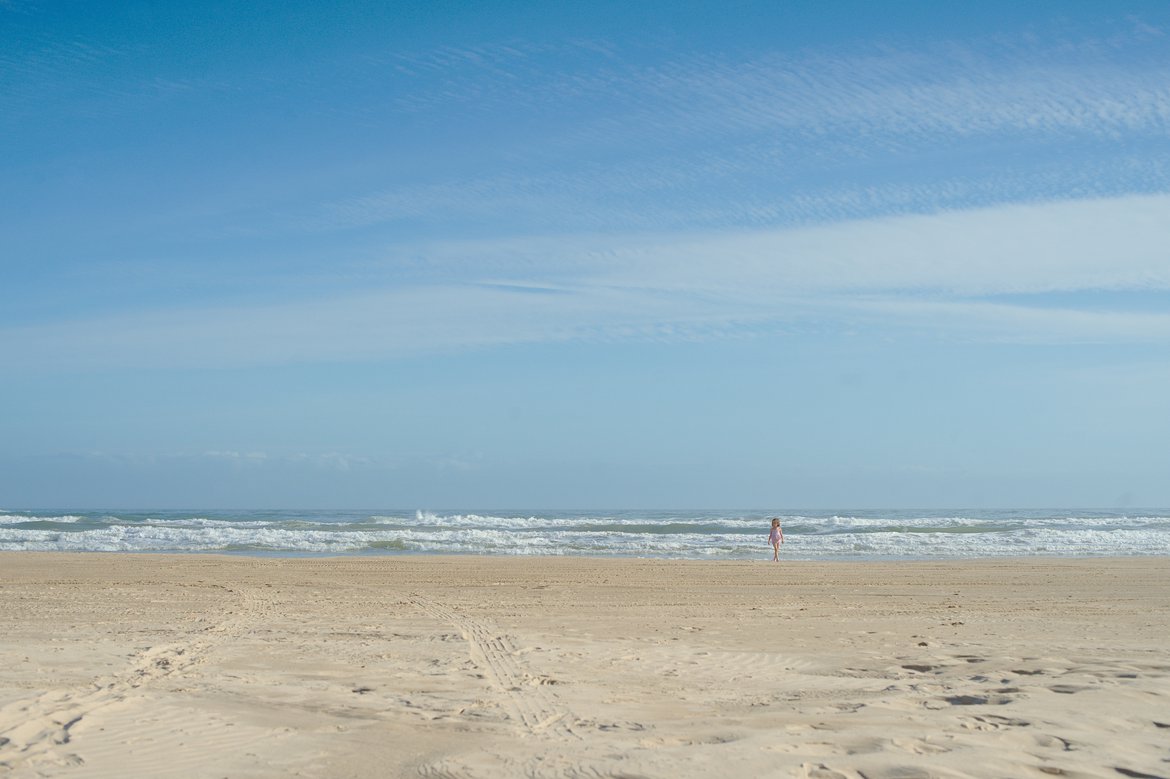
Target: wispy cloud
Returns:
[768, 138]
[1094, 244]
[1027, 83]
[1004, 322]
[618, 136]
[239, 460]
[663, 193]
[915, 94]
[943, 272]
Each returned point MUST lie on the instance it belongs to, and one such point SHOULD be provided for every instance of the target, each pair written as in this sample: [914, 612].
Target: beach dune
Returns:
[119, 665]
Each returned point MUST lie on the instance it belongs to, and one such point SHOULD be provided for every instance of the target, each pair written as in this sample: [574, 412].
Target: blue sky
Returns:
[475, 255]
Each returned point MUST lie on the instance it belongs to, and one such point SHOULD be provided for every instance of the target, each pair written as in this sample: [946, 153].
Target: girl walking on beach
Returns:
[775, 538]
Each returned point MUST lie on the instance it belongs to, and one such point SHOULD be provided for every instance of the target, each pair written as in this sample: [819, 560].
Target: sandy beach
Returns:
[211, 666]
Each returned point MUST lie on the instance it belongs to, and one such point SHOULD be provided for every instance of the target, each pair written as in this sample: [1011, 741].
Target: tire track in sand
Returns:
[532, 706]
[33, 729]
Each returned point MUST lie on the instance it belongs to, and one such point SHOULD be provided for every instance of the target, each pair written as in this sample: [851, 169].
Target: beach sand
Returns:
[211, 666]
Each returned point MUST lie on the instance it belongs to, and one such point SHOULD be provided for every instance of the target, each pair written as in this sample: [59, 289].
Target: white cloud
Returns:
[662, 134]
[1100, 244]
[237, 458]
[981, 320]
[1118, 243]
[1023, 84]
[900, 272]
[712, 190]
[323, 460]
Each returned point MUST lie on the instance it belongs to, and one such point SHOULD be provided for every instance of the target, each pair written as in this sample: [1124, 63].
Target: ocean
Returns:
[694, 535]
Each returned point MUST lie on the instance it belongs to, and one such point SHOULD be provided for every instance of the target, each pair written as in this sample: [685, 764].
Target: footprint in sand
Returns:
[524, 693]
[821, 771]
[977, 700]
[993, 722]
[35, 728]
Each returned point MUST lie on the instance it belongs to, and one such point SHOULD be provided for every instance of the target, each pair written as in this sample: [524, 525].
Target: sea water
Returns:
[704, 535]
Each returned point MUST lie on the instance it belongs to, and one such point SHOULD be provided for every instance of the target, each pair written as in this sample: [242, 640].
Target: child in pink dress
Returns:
[775, 538]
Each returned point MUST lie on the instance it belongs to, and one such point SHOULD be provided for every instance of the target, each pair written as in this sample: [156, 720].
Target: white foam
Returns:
[17, 519]
[694, 535]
